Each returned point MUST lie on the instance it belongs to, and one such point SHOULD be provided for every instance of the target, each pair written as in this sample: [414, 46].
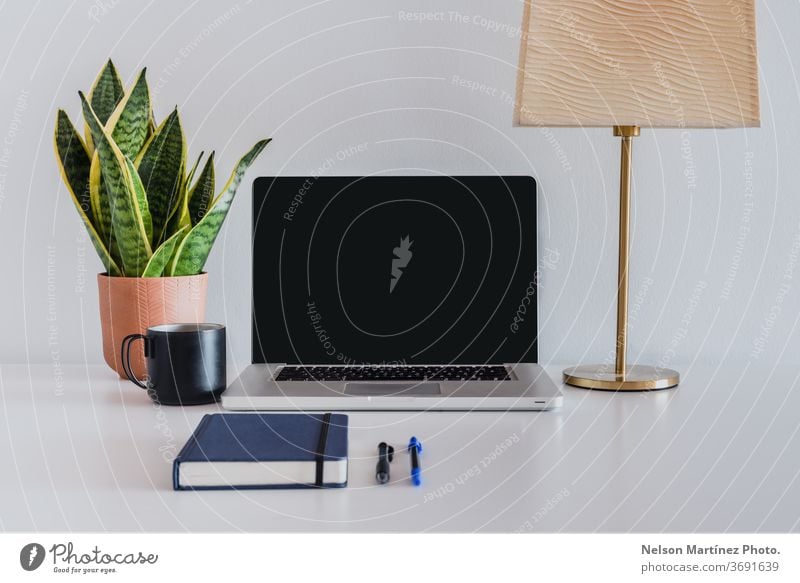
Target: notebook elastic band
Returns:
[320, 455]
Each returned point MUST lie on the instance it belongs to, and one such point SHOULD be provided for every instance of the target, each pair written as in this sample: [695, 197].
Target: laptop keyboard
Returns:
[394, 373]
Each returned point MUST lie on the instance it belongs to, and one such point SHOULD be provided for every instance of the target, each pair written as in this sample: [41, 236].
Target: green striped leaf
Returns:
[74, 160]
[161, 256]
[102, 222]
[101, 207]
[74, 164]
[161, 165]
[180, 218]
[151, 124]
[128, 124]
[201, 195]
[190, 176]
[99, 199]
[106, 93]
[191, 255]
[141, 198]
[126, 218]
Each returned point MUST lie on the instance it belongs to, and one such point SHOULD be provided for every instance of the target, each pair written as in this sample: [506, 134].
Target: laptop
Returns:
[394, 293]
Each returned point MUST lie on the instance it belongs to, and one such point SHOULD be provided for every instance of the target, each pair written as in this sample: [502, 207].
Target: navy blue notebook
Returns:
[254, 450]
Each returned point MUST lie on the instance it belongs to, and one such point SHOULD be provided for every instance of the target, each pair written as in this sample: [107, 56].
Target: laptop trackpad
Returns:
[392, 389]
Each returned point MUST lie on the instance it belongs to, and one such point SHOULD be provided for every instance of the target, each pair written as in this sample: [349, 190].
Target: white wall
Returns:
[712, 266]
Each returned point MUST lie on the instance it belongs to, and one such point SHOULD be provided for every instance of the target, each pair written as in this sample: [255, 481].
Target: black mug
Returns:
[185, 362]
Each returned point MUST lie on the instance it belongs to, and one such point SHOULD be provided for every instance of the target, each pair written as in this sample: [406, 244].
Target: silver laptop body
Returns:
[256, 389]
[406, 319]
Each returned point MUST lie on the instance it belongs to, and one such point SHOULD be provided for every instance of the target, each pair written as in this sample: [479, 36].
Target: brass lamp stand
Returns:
[622, 377]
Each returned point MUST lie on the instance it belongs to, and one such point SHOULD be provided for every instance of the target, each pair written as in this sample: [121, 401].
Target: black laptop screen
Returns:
[379, 270]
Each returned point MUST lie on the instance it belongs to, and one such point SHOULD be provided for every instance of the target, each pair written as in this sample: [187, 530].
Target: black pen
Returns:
[385, 456]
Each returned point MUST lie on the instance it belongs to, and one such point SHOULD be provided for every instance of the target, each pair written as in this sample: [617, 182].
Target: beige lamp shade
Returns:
[649, 63]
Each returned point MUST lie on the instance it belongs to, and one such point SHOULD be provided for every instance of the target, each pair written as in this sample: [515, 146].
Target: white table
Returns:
[81, 450]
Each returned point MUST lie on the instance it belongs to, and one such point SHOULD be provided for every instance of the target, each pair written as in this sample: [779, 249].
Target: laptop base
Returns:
[530, 389]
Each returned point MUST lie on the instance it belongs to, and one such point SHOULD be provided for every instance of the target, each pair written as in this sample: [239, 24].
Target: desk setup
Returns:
[87, 451]
[396, 318]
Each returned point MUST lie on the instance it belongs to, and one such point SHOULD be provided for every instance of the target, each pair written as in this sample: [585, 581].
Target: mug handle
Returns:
[126, 356]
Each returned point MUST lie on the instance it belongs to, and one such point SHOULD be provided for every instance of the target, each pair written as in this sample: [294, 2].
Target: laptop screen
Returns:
[400, 269]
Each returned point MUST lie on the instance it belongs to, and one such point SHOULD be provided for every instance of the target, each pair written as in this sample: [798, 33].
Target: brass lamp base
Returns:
[621, 376]
[636, 378]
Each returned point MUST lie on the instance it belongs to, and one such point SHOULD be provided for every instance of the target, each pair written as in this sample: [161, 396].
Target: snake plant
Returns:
[146, 214]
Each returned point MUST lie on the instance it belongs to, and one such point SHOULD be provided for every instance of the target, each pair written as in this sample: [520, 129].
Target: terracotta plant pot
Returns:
[128, 305]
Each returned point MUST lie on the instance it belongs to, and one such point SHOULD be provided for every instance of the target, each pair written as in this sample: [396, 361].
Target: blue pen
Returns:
[415, 448]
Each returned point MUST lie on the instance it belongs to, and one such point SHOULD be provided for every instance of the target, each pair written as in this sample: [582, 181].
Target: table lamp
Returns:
[628, 64]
